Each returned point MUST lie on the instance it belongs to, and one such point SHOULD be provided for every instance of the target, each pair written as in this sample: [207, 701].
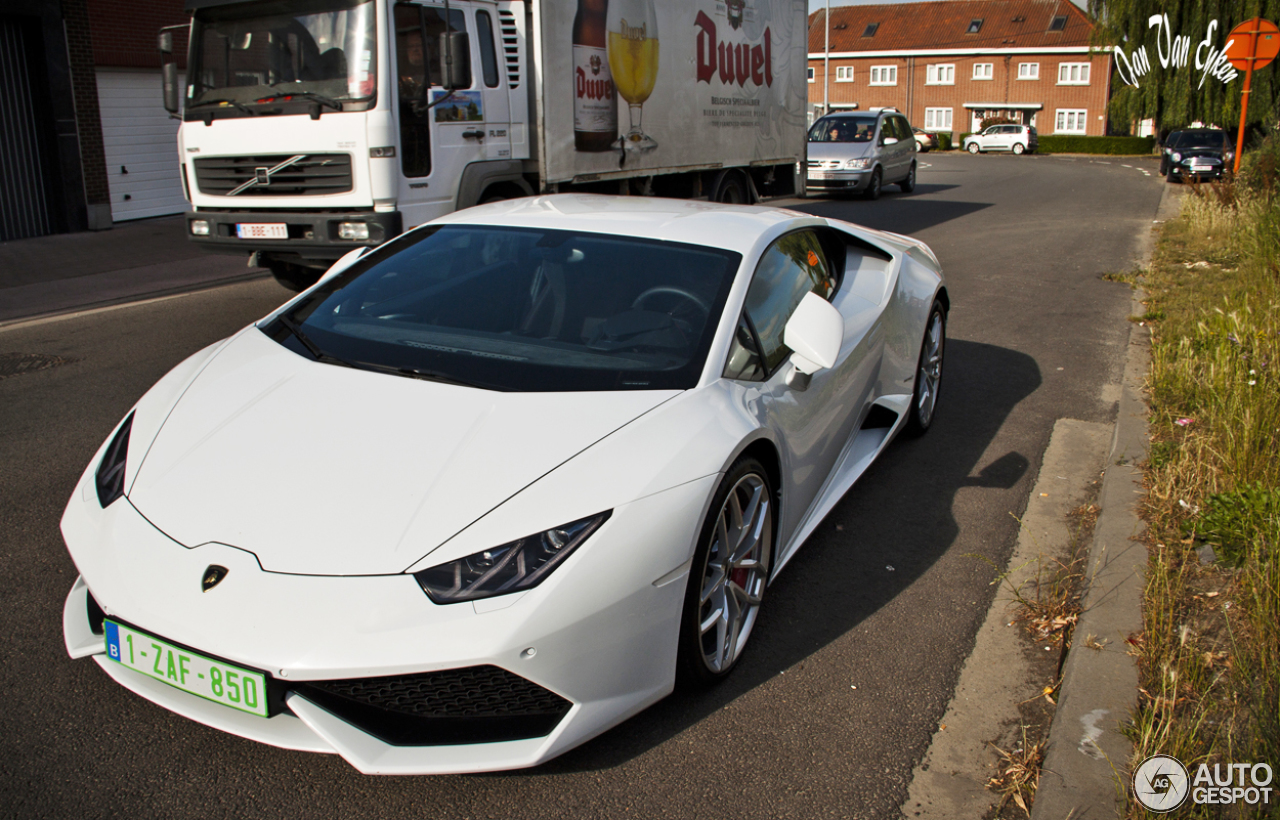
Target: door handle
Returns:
[476, 134]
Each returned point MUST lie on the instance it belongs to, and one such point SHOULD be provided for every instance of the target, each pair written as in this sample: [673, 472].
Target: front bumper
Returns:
[1211, 170]
[600, 633]
[837, 180]
[312, 235]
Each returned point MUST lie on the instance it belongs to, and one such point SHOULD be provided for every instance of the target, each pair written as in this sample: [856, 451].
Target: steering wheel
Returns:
[659, 290]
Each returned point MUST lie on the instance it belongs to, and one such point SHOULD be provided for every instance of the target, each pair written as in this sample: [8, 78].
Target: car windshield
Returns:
[1209, 139]
[264, 52]
[517, 309]
[843, 129]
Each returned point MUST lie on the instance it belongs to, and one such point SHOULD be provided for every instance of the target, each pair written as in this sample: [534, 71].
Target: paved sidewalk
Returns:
[134, 260]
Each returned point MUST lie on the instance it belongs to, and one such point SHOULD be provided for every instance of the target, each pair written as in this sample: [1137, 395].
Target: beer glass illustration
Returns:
[633, 60]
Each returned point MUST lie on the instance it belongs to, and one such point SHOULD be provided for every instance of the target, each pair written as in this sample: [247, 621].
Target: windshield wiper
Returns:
[309, 95]
[237, 105]
[312, 348]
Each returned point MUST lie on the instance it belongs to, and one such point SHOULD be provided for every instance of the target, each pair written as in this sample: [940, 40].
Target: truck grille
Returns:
[274, 175]
[478, 704]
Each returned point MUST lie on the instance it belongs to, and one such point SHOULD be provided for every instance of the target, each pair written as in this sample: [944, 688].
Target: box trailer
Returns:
[311, 127]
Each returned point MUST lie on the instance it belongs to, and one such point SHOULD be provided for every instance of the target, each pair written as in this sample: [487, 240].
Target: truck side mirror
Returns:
[455, 60]
[169, 76]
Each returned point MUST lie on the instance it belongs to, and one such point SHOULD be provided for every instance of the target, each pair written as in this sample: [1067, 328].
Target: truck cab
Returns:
[312, 127]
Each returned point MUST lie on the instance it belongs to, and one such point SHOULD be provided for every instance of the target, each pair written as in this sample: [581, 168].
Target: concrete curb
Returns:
[1085, 771]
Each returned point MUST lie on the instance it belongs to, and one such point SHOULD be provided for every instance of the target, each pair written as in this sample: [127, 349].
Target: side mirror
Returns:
[348, 259]
[814, 333]
[889, 141]
[455, 60]
[169, 76]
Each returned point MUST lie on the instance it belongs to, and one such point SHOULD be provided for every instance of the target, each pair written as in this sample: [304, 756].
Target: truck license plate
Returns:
[189, 671]
[262, 230]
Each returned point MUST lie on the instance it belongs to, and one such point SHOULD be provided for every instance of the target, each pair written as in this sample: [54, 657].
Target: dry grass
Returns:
[1209, 652]
[1018, 773]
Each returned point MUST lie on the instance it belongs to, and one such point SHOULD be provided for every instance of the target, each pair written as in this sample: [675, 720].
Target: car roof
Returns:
[696, 222]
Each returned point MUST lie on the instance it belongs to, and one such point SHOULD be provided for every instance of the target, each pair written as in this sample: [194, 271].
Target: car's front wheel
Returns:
[728, 577]
[924, 399]
[1018, 148]
[973, 148]
[909, 184]
[874, 186]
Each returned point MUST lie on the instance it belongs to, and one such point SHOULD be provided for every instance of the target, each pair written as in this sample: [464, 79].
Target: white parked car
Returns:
[497, 485]
[1016, 138]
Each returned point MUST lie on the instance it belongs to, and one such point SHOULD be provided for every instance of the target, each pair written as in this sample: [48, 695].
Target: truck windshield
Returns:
[517, 309]
[312, 51]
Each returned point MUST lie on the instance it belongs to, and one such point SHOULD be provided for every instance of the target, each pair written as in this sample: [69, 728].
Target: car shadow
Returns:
[902, 508]
[901, 213]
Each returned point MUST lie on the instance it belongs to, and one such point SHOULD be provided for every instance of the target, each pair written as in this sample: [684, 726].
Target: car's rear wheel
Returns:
[1018, 148]
[924, 399]
[909, 184]
[973, 148]
[728, 577]
[875, 185]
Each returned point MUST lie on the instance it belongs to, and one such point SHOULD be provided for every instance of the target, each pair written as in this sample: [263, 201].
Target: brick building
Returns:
[948, 64]
[84, 139]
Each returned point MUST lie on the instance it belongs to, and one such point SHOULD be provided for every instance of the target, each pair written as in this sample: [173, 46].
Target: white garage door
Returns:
[141, 144]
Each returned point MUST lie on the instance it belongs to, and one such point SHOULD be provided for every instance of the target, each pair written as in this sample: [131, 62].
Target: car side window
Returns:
[904, 128]
[791, 267]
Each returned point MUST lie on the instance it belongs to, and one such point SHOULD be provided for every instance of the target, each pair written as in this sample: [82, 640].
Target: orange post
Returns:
[1252, 44]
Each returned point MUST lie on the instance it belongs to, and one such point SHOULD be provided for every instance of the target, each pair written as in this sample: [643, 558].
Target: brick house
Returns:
[948, 64]
[84, 139]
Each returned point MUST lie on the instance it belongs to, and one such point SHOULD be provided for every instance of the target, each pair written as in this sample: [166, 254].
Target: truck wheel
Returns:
[292, 277]
[729, 189]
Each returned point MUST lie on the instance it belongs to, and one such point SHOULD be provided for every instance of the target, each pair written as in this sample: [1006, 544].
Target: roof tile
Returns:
[944, 24]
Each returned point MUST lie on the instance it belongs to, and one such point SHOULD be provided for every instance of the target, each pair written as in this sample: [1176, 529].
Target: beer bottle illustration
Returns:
[595, 111]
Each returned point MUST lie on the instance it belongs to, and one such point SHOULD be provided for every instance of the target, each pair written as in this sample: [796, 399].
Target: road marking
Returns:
[1126, 166]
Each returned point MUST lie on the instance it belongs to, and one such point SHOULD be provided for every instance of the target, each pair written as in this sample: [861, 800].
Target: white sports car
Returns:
[495, 486]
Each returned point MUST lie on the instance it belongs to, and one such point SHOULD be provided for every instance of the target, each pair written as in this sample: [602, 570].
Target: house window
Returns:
[974, 26]
[983, 71]
[1028, 71]
[844, 73]
[937, 119]
[1058, 23]
[1073, 73]
[870, 30]
[940, 74]
[884, 75]
[1071, 121]
[810, 74]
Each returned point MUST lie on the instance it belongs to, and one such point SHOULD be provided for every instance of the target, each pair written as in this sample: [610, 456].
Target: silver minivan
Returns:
[861, 152]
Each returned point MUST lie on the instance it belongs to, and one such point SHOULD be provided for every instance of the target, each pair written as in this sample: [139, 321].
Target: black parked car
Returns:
[1203, 153]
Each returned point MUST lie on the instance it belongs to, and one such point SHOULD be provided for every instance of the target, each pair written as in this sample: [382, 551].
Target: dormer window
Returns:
[974, 27]
[1058, 23]
[871, 30]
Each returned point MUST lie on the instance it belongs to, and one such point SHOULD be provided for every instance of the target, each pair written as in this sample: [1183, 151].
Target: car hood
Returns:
[319, 469]
[839, 150]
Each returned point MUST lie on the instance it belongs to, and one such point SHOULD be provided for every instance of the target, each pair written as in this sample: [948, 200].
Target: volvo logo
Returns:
[262, 174]
[213, 575]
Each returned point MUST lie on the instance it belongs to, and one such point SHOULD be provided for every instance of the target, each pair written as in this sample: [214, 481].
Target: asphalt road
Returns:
[860, 641]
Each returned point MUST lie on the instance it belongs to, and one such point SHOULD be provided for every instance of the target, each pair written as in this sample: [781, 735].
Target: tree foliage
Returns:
[1174, 95]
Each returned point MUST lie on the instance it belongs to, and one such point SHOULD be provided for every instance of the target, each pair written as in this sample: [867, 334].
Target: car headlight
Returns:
[857, 164]
[1177, 157]
[1229, 156]
[110, 475]
[512, 567]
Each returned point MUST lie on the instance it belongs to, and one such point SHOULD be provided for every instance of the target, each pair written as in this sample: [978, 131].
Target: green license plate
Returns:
[189, 671]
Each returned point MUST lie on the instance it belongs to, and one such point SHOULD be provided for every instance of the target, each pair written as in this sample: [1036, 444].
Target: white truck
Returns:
[311, 127]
